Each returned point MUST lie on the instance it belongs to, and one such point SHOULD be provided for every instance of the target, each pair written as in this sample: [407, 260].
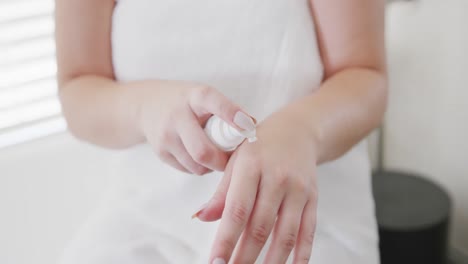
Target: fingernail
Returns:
[219, 261]
[244, 121]
[195, 215]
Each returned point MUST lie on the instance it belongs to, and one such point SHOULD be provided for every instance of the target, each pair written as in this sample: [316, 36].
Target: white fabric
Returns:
[260, 53]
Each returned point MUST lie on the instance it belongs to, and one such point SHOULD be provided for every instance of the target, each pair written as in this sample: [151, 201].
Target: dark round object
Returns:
[413, 217]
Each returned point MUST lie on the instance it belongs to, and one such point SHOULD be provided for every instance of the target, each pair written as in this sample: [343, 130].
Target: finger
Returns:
[239, 203]
[303, 249]
[171, 160]
[199, 146]
[286, 230]
[180, 153]
[260, 225]
[215, 207]
[207, 101]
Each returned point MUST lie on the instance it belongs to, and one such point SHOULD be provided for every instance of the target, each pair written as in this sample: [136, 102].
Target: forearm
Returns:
[343, 111]
[102, 111]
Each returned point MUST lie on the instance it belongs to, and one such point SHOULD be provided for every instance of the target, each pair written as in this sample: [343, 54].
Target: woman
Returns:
[145, 75]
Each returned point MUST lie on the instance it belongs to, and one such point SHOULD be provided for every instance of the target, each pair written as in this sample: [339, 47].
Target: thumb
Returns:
[208, 101]
[213, 210]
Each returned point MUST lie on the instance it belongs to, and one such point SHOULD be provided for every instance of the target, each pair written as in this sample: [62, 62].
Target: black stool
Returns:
[413, 217]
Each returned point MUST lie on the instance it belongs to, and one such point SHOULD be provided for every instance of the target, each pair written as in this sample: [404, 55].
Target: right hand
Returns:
[172, 115]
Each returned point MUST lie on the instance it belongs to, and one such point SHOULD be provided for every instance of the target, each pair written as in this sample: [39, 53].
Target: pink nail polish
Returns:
[219, 261]
[244, 121]
[195, 215]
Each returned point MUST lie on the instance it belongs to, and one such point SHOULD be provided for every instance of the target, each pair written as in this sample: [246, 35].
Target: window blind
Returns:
[29, 107]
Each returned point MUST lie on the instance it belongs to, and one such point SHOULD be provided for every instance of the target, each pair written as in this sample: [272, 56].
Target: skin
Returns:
[264, 191]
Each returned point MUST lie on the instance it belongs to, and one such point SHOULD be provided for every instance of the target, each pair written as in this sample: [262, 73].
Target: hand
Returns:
[269, 187]
[172, 115]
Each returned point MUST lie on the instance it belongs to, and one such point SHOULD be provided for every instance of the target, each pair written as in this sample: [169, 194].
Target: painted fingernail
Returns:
[195, 215]
[219, 261]
[244, 121]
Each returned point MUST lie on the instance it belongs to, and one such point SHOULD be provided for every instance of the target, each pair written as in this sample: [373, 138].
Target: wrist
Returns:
[306, 126]
[134, 98]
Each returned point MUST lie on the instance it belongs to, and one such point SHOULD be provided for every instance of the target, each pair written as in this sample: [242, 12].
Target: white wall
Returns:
[427, 121]
[47, 187]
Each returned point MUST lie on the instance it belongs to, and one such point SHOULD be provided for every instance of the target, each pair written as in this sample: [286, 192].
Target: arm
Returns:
[167, 114]
[96, 107]
[269, 187]
[353, 96]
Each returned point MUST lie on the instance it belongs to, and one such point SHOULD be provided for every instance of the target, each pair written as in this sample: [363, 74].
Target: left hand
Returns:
[269, 187]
